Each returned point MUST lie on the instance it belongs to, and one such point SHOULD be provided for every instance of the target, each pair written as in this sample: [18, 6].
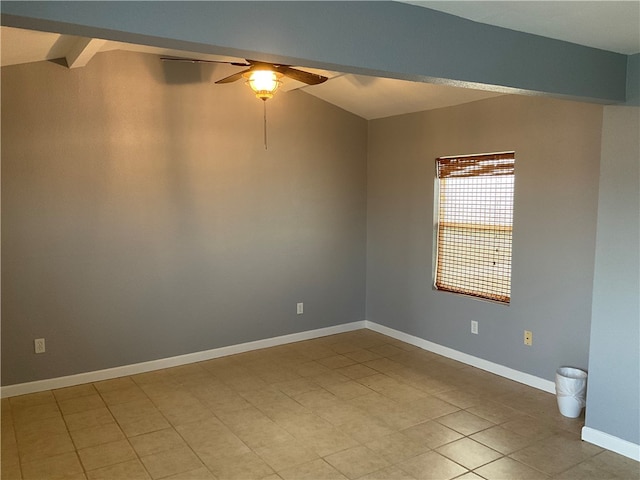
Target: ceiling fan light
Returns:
[263, 82]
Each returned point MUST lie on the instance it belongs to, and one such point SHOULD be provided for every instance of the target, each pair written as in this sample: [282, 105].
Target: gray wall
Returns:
[557, 145]
[613, 394]
[142, 217]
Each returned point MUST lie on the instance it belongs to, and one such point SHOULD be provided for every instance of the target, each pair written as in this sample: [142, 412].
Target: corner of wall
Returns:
[633, 80]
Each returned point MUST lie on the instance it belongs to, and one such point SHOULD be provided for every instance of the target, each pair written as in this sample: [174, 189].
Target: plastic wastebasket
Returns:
[571, 389]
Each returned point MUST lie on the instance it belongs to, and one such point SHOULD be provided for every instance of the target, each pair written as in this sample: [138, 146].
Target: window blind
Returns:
[475, 222]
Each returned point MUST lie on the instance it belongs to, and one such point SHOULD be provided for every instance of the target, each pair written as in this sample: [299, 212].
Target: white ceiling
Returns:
[607, 25]
[613, 26]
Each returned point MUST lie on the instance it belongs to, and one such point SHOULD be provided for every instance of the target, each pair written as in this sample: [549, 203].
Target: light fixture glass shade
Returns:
[263, 82]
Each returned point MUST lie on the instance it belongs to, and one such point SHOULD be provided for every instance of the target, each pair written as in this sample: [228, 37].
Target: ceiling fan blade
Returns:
[293, 73]
[233, 78]
[302, 76]
[195, 60]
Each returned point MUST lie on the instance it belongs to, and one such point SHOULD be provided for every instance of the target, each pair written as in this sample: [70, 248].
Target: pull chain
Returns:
[264, 103]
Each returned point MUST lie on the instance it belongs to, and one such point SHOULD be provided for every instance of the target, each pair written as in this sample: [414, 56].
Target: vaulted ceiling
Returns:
[612, 26]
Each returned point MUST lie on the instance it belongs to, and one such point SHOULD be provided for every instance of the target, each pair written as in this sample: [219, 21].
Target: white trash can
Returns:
[571, 390]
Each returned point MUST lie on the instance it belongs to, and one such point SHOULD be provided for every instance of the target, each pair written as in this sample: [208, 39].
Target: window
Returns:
[474, 225]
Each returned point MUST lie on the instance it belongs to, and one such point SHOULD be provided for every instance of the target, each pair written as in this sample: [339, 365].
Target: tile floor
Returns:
[358, 405]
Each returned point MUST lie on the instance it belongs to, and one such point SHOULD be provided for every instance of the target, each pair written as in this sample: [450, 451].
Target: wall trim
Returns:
[501, 370]
[133, 369]
[109, 373]
[615, 444]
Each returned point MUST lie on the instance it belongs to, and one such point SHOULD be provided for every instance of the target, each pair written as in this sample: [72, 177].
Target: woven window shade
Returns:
[475, 220]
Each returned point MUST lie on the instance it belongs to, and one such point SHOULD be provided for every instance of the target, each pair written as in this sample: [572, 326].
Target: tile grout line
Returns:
[75, 448]
[172, 426]
[120, 428]
[15, 437]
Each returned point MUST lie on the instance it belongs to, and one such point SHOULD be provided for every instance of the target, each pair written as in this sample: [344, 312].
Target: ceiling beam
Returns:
[387, 39]
[83, 51]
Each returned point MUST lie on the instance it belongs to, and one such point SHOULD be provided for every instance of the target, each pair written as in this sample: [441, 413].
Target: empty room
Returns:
[320, 240]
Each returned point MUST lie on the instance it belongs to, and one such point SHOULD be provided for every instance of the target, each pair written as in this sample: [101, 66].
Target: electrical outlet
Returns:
[38, 345]
[528, 338]
[474, 327]
[300, 308]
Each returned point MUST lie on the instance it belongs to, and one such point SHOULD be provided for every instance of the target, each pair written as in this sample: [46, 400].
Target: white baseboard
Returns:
[99, 375]
[511, 374]
[109, 373]
[615, 444]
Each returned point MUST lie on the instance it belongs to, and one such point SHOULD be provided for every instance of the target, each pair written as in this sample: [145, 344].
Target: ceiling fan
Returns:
[262, 77]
